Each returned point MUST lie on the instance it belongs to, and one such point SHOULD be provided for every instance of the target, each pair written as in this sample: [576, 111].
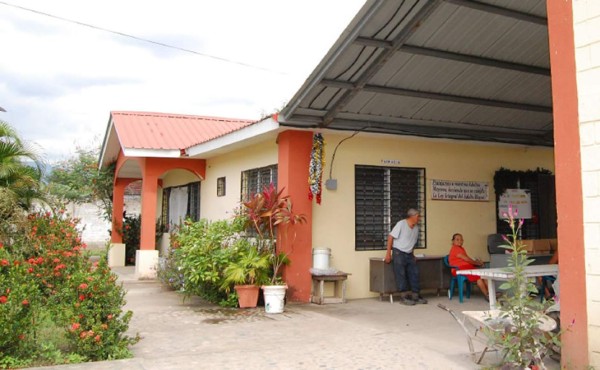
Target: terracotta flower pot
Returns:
[247, 295]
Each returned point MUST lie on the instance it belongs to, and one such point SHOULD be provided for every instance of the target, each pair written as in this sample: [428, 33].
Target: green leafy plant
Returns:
[202, 251]
[169, 272]
[132, 226]
[250, 267]
[78, 180]
[523, 342]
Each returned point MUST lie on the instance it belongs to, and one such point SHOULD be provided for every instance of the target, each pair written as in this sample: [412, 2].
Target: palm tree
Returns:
[17, 179]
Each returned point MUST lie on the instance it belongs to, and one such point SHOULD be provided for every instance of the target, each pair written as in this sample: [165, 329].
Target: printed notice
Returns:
[519, 200]
[460, 190]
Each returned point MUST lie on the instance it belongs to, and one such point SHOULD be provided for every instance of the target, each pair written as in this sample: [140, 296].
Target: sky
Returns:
[66, 64]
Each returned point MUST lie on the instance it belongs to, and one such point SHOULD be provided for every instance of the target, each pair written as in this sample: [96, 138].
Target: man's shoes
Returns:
[407, 300]
[416, 297]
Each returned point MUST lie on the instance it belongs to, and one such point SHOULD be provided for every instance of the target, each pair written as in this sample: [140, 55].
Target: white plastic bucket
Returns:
[274, 298]
[321, 258]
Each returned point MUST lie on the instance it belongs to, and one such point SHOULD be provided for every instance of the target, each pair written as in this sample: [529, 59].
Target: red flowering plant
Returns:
[51, 289]
[18, 300]
[94, 320]
[266, 212]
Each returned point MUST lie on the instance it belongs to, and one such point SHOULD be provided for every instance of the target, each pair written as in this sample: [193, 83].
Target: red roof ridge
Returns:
[179, 115]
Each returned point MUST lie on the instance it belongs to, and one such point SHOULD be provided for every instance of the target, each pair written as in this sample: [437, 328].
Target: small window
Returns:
[221, 187]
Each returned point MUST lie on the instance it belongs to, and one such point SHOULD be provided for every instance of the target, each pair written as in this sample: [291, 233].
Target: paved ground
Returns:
[361, 334]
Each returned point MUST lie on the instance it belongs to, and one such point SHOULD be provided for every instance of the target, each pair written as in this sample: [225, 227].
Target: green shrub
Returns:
[203, 250]
[19, 303]
[169, 272]
[55, 306]
[132, 226]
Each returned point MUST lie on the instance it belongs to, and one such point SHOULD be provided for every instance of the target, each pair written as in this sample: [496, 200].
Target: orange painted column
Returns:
[117, 211]
[117, 208]
[149, 199]
[569, 195]
[292, 174]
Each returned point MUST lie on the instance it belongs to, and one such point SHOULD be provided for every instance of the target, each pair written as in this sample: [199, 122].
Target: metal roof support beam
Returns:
[410, 27]
[436, 53]
[437, 96]
[402, 127]
[500, 11]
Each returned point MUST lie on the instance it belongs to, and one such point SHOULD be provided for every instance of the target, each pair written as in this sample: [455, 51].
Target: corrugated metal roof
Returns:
[476, 70]
[160, 131]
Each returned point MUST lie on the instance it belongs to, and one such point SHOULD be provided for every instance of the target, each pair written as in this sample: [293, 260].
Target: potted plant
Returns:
[267, 212]
[247, 272]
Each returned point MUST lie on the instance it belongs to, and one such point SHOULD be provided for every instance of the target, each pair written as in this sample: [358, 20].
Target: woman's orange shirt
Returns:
[454, 260]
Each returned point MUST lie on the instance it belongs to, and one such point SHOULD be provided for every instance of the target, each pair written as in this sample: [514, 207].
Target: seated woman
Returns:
[545, 282]
[458, 257]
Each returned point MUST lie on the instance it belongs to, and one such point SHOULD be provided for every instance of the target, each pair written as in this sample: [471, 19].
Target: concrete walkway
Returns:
[361, 334]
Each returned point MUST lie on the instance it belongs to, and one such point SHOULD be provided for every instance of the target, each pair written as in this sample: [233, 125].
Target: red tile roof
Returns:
[144, 130]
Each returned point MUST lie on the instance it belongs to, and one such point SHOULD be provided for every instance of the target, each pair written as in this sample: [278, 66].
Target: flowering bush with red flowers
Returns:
[18, 299]
[51, 296]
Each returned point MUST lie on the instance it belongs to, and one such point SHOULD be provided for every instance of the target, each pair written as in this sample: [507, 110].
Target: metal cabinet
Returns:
[432, 275]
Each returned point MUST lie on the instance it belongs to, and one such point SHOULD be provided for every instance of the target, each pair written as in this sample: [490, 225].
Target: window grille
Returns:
[221, 186]
[382, 197]
[193, 209]
[164, 220]
[254, 180]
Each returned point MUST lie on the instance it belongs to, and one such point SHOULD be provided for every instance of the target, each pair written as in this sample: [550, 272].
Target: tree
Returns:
[18, 179]
[79, 180]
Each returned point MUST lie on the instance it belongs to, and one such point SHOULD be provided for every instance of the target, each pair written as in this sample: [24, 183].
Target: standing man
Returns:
[403, 238]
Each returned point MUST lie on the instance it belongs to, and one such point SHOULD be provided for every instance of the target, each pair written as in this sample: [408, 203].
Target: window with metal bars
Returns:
[254, 180]
[193, 208]
[193, 202]
[221, 187]
[382, 197]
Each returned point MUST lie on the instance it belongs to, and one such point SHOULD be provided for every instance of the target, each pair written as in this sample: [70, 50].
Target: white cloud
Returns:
[59, 80]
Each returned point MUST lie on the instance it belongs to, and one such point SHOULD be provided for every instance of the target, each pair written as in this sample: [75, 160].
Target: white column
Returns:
[146, 263]
[116, 255]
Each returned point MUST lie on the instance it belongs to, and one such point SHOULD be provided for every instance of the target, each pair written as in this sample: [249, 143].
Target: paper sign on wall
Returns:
[459, 190]
[520, 199]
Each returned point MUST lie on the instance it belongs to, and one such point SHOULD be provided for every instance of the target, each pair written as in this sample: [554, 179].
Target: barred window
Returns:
[221, 187]
[193, 208]
[382, 197]
[254, 180]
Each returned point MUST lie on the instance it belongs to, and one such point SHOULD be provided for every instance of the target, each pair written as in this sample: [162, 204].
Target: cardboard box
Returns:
[553, 245]
[541, 246]
[536, 246]
[528, 245]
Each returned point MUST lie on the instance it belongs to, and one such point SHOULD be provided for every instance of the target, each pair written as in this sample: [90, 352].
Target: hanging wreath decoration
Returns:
[317, 162]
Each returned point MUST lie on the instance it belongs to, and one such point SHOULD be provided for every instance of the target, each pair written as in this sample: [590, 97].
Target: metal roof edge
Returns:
[346, 39]
[103, 148]
[265, 126]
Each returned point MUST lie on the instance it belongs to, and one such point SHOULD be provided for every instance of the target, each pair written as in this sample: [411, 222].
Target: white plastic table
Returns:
[504, 274]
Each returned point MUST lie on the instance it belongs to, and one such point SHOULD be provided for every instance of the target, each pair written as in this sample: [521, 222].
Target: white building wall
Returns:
[93, 226]
[586, 20]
